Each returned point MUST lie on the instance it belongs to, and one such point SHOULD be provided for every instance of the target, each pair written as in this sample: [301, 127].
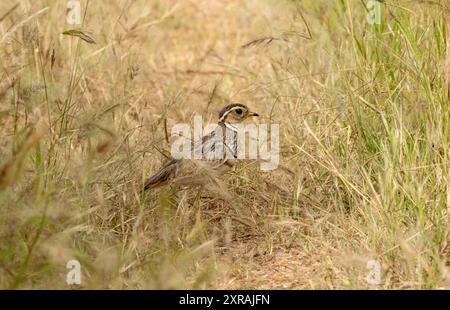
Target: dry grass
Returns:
[364, 118]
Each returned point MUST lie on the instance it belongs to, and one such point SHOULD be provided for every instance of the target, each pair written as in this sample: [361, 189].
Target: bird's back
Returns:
[217, 150]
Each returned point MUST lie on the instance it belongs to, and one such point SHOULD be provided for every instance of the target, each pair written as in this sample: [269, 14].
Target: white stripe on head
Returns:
[228, 111]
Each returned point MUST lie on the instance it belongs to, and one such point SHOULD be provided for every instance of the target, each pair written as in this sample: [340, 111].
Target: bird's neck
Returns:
[229, 126]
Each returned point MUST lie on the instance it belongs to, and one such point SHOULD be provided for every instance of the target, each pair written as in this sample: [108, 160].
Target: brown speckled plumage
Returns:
[222, 141]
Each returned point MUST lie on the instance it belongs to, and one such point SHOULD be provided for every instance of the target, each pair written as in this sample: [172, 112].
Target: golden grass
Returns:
[364, 119]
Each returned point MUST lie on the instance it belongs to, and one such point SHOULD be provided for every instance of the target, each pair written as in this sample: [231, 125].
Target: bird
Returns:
[219, 149]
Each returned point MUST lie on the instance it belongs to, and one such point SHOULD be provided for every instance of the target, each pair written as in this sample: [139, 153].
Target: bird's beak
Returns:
[253, 114]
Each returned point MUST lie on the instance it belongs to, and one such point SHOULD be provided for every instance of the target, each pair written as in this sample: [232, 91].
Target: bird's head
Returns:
[235, 113]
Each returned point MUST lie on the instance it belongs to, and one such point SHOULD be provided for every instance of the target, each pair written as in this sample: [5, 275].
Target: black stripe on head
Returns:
[228, 108]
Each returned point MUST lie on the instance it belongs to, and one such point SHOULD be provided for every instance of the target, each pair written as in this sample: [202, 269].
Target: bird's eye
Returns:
[238, 111]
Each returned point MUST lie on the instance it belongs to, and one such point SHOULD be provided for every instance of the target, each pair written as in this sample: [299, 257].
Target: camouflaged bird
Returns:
[218, 151]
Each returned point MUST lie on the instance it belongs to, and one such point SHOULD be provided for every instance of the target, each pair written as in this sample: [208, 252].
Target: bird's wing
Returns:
[163, 175]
